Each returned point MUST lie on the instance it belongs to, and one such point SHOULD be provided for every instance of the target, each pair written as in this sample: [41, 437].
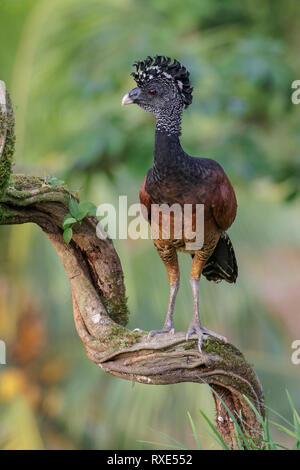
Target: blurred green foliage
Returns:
[67, 65]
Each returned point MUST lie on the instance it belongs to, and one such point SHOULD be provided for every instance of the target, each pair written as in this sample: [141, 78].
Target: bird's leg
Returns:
[169, 257]
[169, 324]
[196, 326]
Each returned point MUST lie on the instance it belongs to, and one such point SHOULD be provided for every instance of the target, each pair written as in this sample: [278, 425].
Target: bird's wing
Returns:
[211, 187]
[224, 204]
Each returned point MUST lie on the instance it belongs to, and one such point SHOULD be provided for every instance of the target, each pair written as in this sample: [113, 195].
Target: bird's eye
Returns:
[152, 92]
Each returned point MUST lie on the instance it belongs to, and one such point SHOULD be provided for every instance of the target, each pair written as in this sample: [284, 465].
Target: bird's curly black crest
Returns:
[161, 67]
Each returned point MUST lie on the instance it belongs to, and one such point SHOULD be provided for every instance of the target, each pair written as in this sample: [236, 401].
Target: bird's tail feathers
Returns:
[222, 264]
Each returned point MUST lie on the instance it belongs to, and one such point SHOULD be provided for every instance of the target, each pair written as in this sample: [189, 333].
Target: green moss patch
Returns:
[119, 337]
[6, 123]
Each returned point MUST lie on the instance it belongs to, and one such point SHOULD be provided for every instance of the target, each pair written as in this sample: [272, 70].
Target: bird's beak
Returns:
[127, 100]
[131, 97]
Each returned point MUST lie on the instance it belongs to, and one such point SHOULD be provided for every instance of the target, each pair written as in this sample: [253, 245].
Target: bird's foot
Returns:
[200, 331]
[166, 330]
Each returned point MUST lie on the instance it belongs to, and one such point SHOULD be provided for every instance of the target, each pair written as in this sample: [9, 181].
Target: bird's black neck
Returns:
[167, 149]
[168, 155]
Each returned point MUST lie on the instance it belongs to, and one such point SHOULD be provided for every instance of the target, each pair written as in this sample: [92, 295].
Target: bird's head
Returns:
[161, 86]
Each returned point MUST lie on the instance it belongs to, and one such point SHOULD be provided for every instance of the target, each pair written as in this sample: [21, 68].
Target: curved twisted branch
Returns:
[100, 312]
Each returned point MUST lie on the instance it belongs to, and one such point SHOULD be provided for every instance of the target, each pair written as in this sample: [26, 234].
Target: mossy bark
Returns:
[7, 139]
[100, 309]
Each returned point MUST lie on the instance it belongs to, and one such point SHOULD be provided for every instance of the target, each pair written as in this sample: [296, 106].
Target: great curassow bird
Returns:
[163, 89]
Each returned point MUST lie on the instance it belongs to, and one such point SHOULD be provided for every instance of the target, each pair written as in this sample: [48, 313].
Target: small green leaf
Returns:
[87, 209]
[67, 235]
[74, 208]
[68, 221]
[92, 212]
[81, 215]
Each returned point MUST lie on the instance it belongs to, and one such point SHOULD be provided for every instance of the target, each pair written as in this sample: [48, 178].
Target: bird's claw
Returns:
[153, 333]
[206, 331]
[193, 329]
[200, 331]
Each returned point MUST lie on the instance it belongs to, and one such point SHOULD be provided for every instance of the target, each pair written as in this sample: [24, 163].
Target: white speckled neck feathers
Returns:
[169, 120]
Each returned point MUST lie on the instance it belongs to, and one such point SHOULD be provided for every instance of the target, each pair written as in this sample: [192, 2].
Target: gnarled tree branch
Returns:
[99, 303]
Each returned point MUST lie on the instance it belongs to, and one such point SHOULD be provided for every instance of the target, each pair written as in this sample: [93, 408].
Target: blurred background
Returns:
[67, 66]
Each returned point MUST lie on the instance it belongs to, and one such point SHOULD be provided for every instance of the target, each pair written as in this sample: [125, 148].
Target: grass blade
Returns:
[194, 432]
[220, 440]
